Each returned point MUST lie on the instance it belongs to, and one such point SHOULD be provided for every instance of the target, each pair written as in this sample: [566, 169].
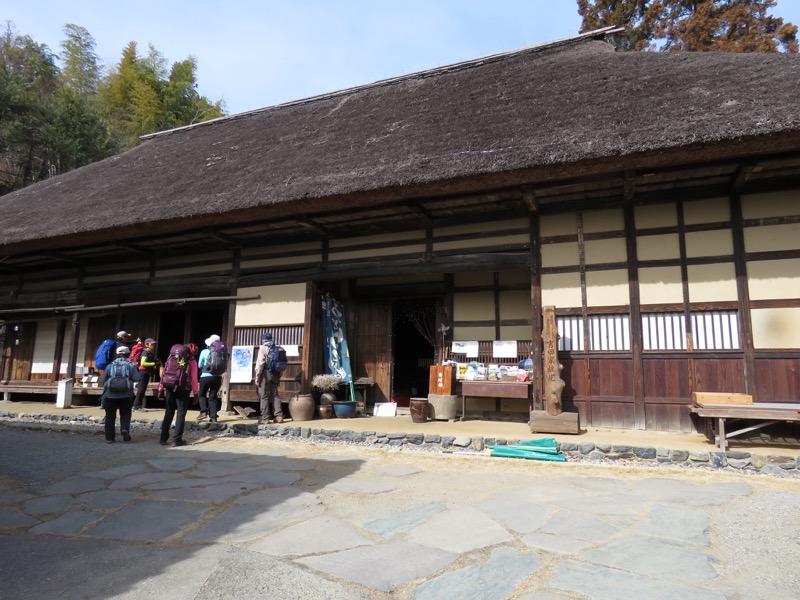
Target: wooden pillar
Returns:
[73, 350]
[743, 289]
[553, 384]
[536, 311]
[635, 320]
[229, 327]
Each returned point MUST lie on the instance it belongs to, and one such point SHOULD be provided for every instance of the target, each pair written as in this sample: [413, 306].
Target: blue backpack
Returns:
[277, 359]
[105, 354]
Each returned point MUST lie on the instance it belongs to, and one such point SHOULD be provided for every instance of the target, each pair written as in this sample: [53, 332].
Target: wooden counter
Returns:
[495, 389]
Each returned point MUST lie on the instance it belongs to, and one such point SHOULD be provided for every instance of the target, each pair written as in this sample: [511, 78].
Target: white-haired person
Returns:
[212, 363]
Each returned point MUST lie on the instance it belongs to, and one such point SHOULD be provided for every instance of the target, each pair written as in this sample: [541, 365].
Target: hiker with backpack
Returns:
[146, 363]
[107, 350]
[178, 383]
[271, 362]
[212, 364]
[118, 380]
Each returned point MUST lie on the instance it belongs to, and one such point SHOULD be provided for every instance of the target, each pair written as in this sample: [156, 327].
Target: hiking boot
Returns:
[279, 419]
[201, 417]
[109, 441]
[177, 443]
[140, 409]
[162, 442]
[126, 437]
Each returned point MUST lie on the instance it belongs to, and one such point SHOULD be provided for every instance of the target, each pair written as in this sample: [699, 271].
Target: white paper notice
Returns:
[470, 349]
[291, 350]
[504, 349]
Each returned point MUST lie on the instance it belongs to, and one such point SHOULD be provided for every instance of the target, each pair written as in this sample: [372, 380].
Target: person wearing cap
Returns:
[209, 384]
[123, 338]
[118, 380]
[148, 363]
[267, 383]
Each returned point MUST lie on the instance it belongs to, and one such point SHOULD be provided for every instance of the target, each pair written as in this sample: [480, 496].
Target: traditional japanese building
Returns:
[652, 198]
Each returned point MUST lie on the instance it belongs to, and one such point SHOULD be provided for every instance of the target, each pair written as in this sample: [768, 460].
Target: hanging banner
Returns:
[337, 356]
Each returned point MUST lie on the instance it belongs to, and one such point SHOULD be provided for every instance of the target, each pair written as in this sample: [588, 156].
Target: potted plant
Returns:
[326, 385]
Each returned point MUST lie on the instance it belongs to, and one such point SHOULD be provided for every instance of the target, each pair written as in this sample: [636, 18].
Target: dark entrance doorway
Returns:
[413, 342]
[188, 326]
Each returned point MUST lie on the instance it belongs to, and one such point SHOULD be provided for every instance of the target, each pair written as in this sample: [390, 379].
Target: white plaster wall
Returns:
[774, 279]
[560, 255]
[772, 237]
[712, 283]
[605, 251]
[562, 290]
[44, 346]
[658, 247]
[552, 225]
[607, 288]
[515, 304]
[473, 306]
[656, 215]
[660, 285]
[776, 328]
[278, 305]
[772, 204]
[709, 243]
[468, 334]
[595, 221]
[712, 210]
[515, 332]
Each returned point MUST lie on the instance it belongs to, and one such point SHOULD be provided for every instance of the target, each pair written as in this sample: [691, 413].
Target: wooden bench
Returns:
[769, 412]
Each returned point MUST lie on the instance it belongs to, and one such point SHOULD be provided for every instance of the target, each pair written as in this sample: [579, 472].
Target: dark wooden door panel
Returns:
[374, 346]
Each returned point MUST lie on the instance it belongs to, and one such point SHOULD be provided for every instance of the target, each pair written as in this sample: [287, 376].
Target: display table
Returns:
[495, 389]
[769, 412]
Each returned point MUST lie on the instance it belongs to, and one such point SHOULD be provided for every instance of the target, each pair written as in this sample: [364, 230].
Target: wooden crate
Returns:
[702, 398]
[442, 380]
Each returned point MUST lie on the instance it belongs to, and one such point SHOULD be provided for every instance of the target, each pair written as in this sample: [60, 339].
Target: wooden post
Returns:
[553, 384]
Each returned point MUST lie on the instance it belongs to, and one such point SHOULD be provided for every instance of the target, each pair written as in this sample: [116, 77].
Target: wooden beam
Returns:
[529, 196]
[312, 226]
[629, 187]
[743, 289]
[62, 258]
[741, 176]
[419, 212]
[635, 320]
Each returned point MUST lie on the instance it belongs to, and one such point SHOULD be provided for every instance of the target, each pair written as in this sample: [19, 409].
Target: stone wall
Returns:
[584, 452]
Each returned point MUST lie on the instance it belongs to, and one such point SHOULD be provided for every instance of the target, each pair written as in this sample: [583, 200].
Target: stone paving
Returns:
[351, 523]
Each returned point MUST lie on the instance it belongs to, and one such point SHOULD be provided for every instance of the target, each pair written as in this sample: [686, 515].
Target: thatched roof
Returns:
[564, 103]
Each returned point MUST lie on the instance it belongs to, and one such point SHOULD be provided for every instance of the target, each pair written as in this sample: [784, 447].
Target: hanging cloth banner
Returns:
[337, 356]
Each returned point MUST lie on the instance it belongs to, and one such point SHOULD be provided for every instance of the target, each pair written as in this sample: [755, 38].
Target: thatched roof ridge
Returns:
[573, 102]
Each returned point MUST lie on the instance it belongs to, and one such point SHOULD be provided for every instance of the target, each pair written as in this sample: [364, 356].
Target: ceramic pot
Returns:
[344, 409]
[301, 407]
[328, 398]
[419, 410]
[325, 411]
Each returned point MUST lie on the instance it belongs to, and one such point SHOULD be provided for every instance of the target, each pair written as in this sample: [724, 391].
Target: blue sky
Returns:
[254, 53]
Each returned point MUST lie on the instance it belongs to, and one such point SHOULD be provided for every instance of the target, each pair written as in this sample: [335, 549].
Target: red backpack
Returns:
[176, 368]
[136, 354]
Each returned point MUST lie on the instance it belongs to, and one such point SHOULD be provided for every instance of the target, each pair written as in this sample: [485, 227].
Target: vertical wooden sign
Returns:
[553, 384]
